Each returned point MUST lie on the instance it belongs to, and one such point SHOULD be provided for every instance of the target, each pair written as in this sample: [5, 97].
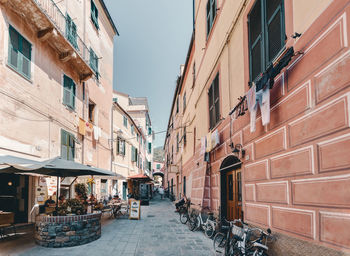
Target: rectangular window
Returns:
[125, 121]
[149, 147]
[177, 105]
[211, 13]
[184, 185]
[177, 142]
[158, 166]
[120, 146]
[184, 102]
[214, 103]
[150, 166]
[68, 92]
[67, 145]
[133, 154]
[266, 34]
[91, 111]
[132, 129]
[94, 62]
[20, 53]
[71, 31]
[149, 130]
[94, 14]
[184, 136]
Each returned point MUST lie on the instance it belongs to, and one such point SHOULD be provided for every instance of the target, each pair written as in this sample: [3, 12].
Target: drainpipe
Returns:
[112, 137]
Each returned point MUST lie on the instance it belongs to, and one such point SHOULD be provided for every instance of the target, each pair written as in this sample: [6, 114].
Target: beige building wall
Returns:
[32, 113]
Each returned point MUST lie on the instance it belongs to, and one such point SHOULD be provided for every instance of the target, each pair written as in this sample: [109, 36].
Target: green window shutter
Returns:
[149, 147]
[94, 14]
[69, 89]
[123, 147]
[71, 31]
[67, 146]
[132, 154]
[19, 54]
[118, 141]
[125, 121]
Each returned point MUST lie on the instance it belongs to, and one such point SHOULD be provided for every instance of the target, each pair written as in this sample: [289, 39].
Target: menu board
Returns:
[135, 210]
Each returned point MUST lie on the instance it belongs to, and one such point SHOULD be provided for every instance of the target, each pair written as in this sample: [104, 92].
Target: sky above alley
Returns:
[153, 43]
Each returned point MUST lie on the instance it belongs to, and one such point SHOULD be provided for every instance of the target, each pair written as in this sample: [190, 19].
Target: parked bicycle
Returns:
[241, 241]
[205, 222]
[184, 212]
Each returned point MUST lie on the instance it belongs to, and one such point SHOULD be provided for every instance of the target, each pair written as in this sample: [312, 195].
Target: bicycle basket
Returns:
[237, 231]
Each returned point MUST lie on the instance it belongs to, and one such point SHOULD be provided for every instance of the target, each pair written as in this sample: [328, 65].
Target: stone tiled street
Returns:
[158, 233]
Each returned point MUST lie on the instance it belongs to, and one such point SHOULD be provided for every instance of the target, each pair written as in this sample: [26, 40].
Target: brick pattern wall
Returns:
[296, 176]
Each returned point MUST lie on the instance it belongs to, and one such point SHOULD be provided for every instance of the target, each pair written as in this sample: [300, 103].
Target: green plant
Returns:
[74, 206]
[81, 190]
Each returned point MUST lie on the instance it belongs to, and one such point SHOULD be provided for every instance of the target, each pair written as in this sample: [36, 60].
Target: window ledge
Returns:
[19, 73]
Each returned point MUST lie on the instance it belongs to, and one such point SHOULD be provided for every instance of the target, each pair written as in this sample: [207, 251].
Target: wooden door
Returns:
[230, 199]
[234, 195]
[238, 195]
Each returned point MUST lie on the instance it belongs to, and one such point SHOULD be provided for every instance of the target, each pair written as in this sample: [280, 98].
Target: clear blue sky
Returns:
[153, 43]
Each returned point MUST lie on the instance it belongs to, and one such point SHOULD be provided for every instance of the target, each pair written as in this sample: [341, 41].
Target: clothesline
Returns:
[266, 79]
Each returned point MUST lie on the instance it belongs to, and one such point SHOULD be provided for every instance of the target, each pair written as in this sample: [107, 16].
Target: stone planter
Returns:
[65, 231]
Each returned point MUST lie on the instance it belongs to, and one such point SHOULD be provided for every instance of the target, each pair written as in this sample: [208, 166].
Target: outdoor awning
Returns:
[140, 177]
[52, 167]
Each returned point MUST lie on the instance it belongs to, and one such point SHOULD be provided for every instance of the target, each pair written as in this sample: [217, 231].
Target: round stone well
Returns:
[65, 231]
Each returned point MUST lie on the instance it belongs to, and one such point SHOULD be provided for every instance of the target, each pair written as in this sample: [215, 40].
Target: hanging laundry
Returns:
[96, 132]
[251, 98]
[203, 145]
[263, 100]
[267, 78]
[81, 128]
[208, 143]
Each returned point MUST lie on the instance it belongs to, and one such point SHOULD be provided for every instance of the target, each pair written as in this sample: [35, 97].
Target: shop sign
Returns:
[135, 210]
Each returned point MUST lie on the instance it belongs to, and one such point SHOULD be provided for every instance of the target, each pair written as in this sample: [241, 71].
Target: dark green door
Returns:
[125, 186]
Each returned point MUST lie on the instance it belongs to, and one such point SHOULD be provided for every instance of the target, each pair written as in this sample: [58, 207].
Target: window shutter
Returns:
[74, 35]
[132, 154]
[72, 94]
[255, 40]
[123, 145]
[275, 29]
[117, 146]
[13, 48]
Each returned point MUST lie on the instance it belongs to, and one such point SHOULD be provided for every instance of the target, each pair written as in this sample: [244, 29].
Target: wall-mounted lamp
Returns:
[236, 149]
[9, 183]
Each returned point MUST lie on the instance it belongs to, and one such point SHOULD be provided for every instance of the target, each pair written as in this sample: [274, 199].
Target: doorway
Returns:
[231, 188]
[125, 186]
[14, 195]
[234, 195]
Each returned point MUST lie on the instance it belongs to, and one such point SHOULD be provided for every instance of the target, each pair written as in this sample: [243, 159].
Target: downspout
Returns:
[112, 142]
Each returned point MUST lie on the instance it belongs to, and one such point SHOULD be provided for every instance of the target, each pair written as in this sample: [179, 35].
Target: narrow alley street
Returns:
[157, 233]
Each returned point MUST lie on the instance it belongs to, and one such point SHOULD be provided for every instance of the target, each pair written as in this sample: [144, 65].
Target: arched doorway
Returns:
[159, 178]
[231, 188]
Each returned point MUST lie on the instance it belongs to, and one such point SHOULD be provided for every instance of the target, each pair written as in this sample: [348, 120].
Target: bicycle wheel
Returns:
[194, 224]
[183, 217]
[219, 243]
[209, 230]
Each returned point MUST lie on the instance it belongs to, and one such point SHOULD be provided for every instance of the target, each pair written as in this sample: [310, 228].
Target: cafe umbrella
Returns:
[53, 167]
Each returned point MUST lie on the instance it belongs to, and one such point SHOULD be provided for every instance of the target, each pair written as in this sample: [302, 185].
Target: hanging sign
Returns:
[135, 210]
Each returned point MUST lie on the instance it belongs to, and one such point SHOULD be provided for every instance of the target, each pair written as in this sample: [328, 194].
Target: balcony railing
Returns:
[60, 20]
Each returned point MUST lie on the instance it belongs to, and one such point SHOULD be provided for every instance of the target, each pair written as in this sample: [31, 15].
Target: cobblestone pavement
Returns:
[158, 233]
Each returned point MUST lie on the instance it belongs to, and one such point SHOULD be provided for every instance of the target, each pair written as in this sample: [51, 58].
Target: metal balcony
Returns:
[50, 25]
